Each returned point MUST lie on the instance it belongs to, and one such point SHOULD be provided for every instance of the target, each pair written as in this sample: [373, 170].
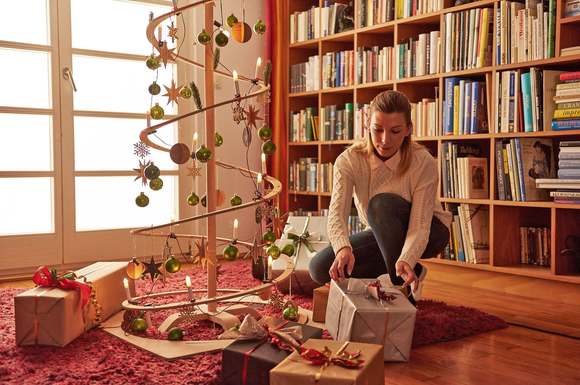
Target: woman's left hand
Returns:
[404, 271]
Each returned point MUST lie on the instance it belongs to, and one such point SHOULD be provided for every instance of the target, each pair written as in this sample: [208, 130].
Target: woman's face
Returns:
[388, 130]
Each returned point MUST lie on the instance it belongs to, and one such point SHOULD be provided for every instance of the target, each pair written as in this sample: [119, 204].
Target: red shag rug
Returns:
[100, 358]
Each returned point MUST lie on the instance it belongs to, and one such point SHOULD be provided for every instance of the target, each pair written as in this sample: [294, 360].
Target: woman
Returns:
[395, 188]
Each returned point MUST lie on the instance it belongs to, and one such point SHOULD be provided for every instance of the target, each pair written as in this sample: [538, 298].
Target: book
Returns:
[537, 162]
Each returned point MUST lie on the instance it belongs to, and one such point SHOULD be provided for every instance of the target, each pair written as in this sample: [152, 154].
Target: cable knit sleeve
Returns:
[340, 203]
[422, 205]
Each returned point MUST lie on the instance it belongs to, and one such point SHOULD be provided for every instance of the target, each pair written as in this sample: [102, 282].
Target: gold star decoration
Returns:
[279, 223]
[172, 93]
[194, 170]
[252, 116]
[200, 257]
[239, 114]
[165, 53]
[152, 269]
[141, 172]
[172, 32]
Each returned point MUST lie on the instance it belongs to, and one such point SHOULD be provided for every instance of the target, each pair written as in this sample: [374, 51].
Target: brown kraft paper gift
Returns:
[319, 302]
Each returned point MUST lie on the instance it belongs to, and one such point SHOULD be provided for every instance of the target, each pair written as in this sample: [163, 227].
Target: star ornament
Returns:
[252, 116]
[279, 222]
[172, 93]
[194, 170]
[172, 32]
[165, 53]
[200, 257]
[141, 172]
[152, 268]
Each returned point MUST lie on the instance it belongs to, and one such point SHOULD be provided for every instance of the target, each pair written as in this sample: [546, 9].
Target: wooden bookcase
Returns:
[505, 216]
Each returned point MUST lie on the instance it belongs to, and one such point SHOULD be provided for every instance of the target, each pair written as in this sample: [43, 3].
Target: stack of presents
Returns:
[370, 321]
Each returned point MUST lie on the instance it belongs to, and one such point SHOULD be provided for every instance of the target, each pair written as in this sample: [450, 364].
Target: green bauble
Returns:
[236, 200]
[172, 265]
[192, 199]
[203, 37]
[157, 112]
[203, 154]
[153, 62]
[156, 184]
[154, 88]
[269, 237]
[185, 92]
[221, 39]
[204, 201]
[152, 172]
[219, 140]
[268, 147]
[273, 251]
[265, 133]
[231, 20]
[175, 334]
[260, 27]
[230, 252]
[290, 314]
[288, 250]
[139, 325]
[142, 200]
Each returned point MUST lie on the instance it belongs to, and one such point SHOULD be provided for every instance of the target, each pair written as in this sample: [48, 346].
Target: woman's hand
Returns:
[344, 258]
[404, 271]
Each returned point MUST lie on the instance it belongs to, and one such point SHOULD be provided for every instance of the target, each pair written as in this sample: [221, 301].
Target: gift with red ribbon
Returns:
[48, 278]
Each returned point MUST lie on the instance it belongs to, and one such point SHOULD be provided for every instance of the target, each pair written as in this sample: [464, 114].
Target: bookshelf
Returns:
[505, 217]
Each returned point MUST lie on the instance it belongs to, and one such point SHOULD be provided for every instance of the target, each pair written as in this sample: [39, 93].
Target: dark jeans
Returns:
[377, 250]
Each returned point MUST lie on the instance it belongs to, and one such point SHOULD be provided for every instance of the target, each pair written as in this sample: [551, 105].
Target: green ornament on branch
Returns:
[288, 250]
[152, 172]
[268, 147]
[231, 20]
[236, 200]
[185, 92]
[192, 199]
[142, 200]
[153, 62]
[273, 251]
[204, 201]
[154, 88]
[156, 184]
[172, 265]
[219, 140]
[290, 313]
[139, 325]
[157, 112]
[230, 252]
[265, 133]
[175, 334]
[203, 154]
[221, 39]
[269, 237]
[203, 37]
[260, 27]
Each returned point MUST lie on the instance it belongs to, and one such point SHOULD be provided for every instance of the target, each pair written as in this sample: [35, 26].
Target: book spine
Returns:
[520, 162]
[569, 113]
[500, 171]
[526, 101]
[571, 124]
[570, 76]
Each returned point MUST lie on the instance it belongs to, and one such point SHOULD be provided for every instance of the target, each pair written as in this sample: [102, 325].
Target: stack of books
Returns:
[469, 234]
[567, 113]
[303, 125]
[464, 171]
[319, 21]
[408, 8]
[361, 119]
[337, 124]
[305, 76]
[465, 106]
[535, 246]
[338, 69]
[418, 56]
[375, 64]
[567, 185]
[303, 175]
[572, 8]
[425, 117]
[326, 177]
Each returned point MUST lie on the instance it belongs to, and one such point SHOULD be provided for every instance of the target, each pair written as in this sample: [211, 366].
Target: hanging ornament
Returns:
[216, 58]
[290, 312]
[268, 147]
[141, 172]
[194, 170]
[157, 112]
[165, 54]
[179, 153]
[152, 171]
[204, 201]
[279, 222]
[185, 92]
[269, 237]
[200, 257]
[196, 95]
[152, 268]
[203, 154]
[231, 20]
[260, 27]
[230, 252]
[141, 150]
[220, 198]
[153, 62]
[156, 184]
[273, 251]
[203, 37]
[154, 88]
[172, 265]
[219, 140]
[221, 39]
[175, 334]
[142, 200]
[239, 115]
[172, 93]
[236, 200]
[265, 133]
[252, 116]
[241, 32]
[139, 325]
[192, 199]
[135, 269]
[267, 73]
[172, 32]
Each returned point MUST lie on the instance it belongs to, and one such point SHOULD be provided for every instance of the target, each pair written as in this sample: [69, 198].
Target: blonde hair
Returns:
[387, 102]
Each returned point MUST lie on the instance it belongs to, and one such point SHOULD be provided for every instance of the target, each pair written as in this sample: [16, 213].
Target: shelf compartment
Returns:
[567, 222]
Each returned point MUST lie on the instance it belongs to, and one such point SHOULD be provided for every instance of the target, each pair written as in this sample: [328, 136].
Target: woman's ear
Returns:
[409, 129]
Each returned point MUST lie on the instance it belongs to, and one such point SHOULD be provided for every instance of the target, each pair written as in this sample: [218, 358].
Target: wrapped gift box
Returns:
[248, 362]
[352, 314]
[51, 316]
[319, 303]
[296, 370]
[300, 281]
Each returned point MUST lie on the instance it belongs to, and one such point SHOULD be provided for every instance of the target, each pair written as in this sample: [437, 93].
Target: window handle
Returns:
[67, 74]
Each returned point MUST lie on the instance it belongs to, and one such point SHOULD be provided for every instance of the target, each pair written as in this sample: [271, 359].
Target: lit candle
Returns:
[264, 171]
[236, 84]
[194, 141]
[259, 180]
[235, 235]
[189, 289]
[126, 286]
[269, 272]
[258, 64]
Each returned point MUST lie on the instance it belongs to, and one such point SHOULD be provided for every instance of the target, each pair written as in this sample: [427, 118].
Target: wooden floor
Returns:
[511, 356]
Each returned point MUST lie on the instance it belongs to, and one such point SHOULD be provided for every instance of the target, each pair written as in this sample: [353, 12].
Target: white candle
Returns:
[259, 180]
[189, 289]
[269, 272]
[258, 64]
[194, 141]
[235, 235]
[126, 286]
[236, 84]
[159, 34]
[264, 164]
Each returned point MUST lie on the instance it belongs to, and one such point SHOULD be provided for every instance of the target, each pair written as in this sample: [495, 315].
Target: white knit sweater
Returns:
[365, 176]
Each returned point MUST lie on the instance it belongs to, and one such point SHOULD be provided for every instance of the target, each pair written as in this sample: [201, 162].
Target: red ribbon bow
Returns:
[47, 278]
[325, 357]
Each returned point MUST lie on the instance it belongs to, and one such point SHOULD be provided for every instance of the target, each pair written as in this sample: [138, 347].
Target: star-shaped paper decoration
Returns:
[252, 116]
[172, 93]
[172, 32]
[220, 198]
[165, 53]
[194, 170]
[238, 114]
[200, 257]
[279, 223]
[152, 268]
[141, 172]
